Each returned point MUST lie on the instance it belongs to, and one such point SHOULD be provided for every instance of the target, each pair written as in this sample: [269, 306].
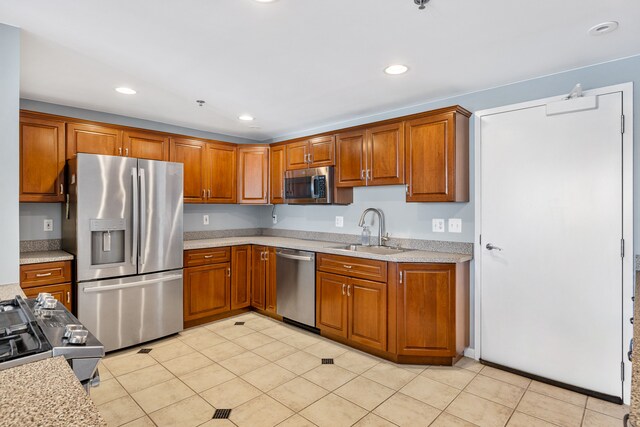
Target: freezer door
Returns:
[106, 197]
[161, 239]
[131, 310]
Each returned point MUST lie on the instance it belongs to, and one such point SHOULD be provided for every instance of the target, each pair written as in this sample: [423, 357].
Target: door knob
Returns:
[491, 247]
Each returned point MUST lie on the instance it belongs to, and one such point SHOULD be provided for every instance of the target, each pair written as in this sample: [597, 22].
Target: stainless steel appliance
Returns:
[32, 330]
[296, 285]
[123, 222]
[309, 186]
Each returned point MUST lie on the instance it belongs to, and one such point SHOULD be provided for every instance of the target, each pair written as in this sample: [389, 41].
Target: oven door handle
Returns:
[96, 289]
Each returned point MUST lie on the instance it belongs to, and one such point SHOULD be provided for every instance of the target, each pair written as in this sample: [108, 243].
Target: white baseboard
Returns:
[470, 353]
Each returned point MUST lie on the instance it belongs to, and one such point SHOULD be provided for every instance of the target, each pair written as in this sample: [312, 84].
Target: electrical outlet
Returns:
[205, 219]
[455, 225]
[437, 225]
[339, 221]
[48, 225]
[275, 219]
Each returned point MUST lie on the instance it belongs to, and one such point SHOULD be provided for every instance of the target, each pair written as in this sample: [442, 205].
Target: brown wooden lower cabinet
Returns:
[240, 276]
[207, 290]
[61, 292]
[352, 308]
[263, 278]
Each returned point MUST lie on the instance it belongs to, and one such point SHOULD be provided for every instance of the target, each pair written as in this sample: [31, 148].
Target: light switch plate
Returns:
[275, 219]
[205, 219]
[48, 225]
[455, 225]
[339, 221]
[437, 225]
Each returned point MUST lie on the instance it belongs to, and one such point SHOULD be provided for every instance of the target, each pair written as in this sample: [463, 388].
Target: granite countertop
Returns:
[327, 248]
[10, 290]
[45, 393]
[44, 256]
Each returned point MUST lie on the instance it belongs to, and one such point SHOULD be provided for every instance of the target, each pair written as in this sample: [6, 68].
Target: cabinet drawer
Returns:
[353, 267]
[48, 273]
[197, 257]
[60, 292]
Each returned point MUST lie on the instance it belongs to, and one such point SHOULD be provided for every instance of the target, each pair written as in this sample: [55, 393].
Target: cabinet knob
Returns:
[126, 151]
[61, 188]
[228, 271]
[401, 277]
[68, 297]
[120, 151]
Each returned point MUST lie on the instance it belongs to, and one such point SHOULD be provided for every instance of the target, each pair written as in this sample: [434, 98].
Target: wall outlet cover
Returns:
[205, 219]
[437, 225]
[48, 225]
[339, 221]
[275, 219]
[455, 225]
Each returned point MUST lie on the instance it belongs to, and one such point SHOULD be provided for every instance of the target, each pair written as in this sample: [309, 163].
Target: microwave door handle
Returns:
[134, 231]
[314, 179]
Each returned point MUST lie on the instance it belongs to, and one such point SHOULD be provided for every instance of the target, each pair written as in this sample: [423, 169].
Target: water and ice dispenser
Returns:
[107, 241]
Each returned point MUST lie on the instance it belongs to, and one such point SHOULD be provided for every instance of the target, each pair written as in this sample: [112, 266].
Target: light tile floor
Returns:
[269, 374]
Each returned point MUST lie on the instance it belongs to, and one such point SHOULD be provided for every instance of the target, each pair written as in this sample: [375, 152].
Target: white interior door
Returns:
[551, 300]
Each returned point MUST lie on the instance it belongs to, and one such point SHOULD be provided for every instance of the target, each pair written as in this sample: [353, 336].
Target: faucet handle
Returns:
[386, 237]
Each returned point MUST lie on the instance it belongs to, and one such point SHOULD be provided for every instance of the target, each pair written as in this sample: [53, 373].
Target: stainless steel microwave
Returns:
[309, 186]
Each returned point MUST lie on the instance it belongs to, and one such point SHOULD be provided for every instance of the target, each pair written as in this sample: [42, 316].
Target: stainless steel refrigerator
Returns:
[123, 223]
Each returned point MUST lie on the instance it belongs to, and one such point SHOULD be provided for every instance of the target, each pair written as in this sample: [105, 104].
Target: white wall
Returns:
[224, 217]
[32, 216]
[9, 134]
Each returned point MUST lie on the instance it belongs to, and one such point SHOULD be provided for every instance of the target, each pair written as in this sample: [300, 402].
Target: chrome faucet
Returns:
[382, 235]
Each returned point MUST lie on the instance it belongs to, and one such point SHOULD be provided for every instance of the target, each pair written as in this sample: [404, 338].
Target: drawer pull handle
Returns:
[347, 266]
[208, 256]
[43, 274]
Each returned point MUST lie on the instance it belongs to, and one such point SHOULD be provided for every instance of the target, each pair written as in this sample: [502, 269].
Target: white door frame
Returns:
[628, 262]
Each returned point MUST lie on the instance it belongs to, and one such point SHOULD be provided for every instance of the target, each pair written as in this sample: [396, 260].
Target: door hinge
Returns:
[622, 123]
[622, 370]
[621, 248]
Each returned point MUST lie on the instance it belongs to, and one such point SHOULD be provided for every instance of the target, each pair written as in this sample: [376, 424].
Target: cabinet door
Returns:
[351, 159]
[368, 313]
[93, 139]
[253, 175]
[207, 290]
[297, 155]
[60, 292]
[258, 277]
[276, 175]
[321, 151]
[270, 276]
[385, 154]
[426, 310]
[434, 168]
[191, 153]
[331, 303]
[146, 145]
[240, 277]
[221, 170]
[42, 158]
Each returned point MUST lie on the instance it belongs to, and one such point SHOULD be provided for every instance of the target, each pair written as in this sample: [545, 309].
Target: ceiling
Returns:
[298, 64]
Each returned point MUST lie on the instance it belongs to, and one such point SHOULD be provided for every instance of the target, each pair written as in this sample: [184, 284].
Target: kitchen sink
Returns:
[378, 250]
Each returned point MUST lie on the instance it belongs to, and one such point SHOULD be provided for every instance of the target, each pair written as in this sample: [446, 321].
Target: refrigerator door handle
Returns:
[143, 215]
[134, 231]
[94, 289]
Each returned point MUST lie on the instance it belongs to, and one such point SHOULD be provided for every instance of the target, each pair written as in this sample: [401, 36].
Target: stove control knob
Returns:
[42, 296]
[49, 303]
[70, 328]
[78, 337]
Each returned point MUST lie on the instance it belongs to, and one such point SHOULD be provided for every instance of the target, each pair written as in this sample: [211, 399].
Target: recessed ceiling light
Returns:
[265, 1]
[396, 69]
[125, 90]
[245, 118]
[603, 28]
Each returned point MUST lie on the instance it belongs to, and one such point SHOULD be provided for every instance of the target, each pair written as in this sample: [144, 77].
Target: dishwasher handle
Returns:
[296, 257]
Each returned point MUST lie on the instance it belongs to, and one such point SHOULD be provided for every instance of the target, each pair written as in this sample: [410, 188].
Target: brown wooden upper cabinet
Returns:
[372, 156]
[276, 175]
[253, 174]
[311, 153]
[191, 153]
[437, 157]
[42, 158]
[93, 139]
[221, 173]
[145, 145]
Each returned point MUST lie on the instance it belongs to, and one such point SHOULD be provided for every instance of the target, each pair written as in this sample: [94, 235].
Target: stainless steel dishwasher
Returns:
[296, 285]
